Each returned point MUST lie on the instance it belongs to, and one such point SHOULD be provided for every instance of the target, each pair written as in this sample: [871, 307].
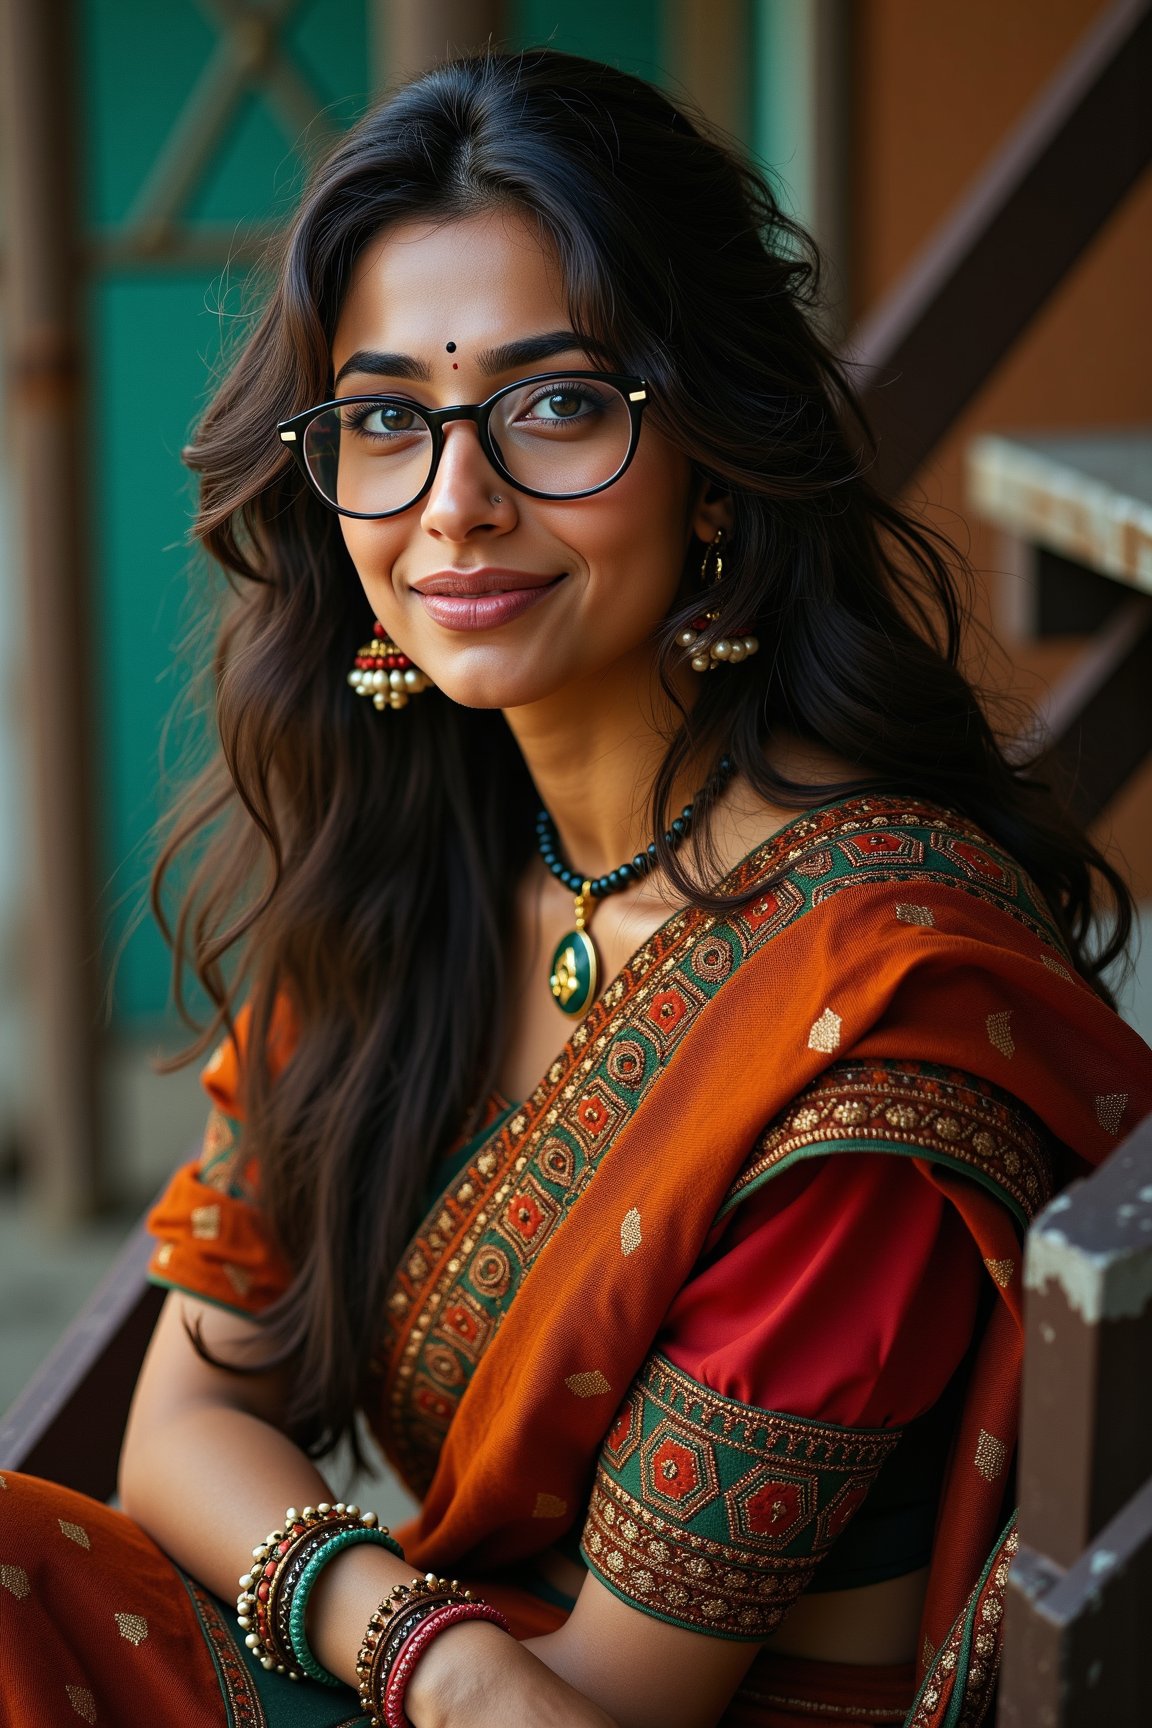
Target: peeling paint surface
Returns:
[1112, 1285]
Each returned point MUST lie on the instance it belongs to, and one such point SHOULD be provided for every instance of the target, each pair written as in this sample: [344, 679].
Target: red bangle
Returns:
[414, 1647]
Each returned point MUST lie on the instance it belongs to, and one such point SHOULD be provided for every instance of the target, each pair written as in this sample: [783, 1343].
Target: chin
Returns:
[493, 688]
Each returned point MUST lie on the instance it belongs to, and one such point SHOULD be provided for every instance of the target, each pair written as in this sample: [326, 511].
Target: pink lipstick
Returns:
[481, 599]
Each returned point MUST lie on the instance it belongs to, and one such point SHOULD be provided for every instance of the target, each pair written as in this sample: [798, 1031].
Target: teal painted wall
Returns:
[629, 36]
[156, 335]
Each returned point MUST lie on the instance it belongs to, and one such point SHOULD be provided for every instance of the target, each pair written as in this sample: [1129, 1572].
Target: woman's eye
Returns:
[379, 419]
[389, 417]
[568, 402]
[564, 404]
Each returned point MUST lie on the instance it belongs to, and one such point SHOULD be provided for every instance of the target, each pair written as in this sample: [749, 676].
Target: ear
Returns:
[712, 510]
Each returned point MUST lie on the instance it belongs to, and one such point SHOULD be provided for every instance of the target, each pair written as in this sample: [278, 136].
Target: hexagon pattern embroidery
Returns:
[1002, 1271]
[82, 1702]
[75, 1533]
[825, 1033]
[674, 1470]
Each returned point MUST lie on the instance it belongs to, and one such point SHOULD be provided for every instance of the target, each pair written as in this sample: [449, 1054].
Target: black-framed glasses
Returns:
[555, 435]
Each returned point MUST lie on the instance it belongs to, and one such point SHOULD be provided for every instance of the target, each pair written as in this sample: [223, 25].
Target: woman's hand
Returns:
[475, 1676]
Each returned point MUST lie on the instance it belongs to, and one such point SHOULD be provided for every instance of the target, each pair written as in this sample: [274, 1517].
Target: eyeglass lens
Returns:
[561, 437]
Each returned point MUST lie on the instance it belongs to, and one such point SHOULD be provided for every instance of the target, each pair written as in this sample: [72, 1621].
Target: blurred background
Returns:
[978, 187]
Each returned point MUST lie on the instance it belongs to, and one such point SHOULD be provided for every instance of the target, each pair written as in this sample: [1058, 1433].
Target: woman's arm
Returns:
[207, 1471]
[640, 1669]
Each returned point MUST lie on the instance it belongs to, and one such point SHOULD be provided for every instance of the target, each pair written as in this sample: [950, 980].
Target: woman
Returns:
[649, 1170]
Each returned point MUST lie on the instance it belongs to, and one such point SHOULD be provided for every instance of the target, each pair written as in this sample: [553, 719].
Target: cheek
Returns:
[373, 548]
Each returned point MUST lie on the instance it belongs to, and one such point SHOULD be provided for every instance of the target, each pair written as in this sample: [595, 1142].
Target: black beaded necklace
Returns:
[575, 967]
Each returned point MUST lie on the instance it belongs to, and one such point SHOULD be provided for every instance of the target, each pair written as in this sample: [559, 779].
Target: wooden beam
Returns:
[707, 49]
[1098, 717]
[45, 402]
[924, 352]
[1079, 1588]
[408, 36]
[1074, 1640]
[68, 1424]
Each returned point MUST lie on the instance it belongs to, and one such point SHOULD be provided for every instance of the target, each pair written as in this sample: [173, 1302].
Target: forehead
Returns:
[476, 281]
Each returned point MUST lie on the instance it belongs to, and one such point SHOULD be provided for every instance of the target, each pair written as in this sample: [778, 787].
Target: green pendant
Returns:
[574, 972]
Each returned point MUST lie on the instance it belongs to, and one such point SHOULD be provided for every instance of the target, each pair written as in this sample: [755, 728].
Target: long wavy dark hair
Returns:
[362, 867]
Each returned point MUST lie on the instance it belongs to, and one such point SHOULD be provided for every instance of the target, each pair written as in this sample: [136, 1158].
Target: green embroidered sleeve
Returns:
[713, 1515]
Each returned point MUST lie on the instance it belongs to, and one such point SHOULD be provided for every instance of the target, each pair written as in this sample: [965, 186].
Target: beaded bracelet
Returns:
[263, 1612]
[439, 1620]
[328, 1550]
[278, 1608]
[413, 1601]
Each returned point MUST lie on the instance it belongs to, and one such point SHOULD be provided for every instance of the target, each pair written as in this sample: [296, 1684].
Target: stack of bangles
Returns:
[273, 1603]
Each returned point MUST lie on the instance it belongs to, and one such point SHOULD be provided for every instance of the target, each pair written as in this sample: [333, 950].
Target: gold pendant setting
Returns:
[575, 968]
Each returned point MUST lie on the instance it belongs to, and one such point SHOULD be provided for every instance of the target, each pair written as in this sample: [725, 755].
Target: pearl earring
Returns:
[728, 650]
[384, 672]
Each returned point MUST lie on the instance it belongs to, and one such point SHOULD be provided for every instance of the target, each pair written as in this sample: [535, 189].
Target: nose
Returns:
[460, 500]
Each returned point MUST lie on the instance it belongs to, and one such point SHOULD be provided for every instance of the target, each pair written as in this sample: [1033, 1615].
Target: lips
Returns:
[483, 581]
[482, 599]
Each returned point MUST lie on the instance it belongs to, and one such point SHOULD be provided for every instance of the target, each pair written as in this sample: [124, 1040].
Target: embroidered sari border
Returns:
[467, 1261]
[253, 1698]
[714, 1515]
[917, 1110]
[959, 1682]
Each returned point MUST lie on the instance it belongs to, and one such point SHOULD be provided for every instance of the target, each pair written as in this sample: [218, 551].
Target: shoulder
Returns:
[901, 852]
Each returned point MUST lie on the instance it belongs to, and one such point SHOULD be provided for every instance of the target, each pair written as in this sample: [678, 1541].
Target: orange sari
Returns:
[895, 988]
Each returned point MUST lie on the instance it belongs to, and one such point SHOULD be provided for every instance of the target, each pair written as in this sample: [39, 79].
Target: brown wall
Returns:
[936, 86]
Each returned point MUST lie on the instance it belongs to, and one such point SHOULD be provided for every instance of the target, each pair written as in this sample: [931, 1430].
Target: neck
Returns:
[593, 752]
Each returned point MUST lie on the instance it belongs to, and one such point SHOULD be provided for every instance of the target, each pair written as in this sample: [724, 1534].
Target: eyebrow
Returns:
[504, 358]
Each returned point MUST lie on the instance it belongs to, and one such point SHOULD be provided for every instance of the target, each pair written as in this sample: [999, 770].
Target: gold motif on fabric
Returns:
[1055, 966]
[631, 1235]
[82, 1702]
[15, 1580]
[164, 1253]
[549, 1506]
[999, 1028]
[206, 1223]
[75, 1533]
[591, 1089]
[239, 1279]
[588, 1384]
[1001, 1271]
[825, 1033]
[134, 1627]
[916, 1107]
[908, 914]
[1110, 1107]
[991, 1456]
[981, 1623]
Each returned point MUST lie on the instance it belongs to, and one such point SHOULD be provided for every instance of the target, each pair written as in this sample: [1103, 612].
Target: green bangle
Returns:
[297, 1636]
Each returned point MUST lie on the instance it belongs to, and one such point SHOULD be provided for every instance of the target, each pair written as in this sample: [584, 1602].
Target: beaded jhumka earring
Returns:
[384, 672]
[728, 650]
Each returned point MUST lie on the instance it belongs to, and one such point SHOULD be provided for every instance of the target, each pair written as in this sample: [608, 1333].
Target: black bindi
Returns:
[450, 347]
